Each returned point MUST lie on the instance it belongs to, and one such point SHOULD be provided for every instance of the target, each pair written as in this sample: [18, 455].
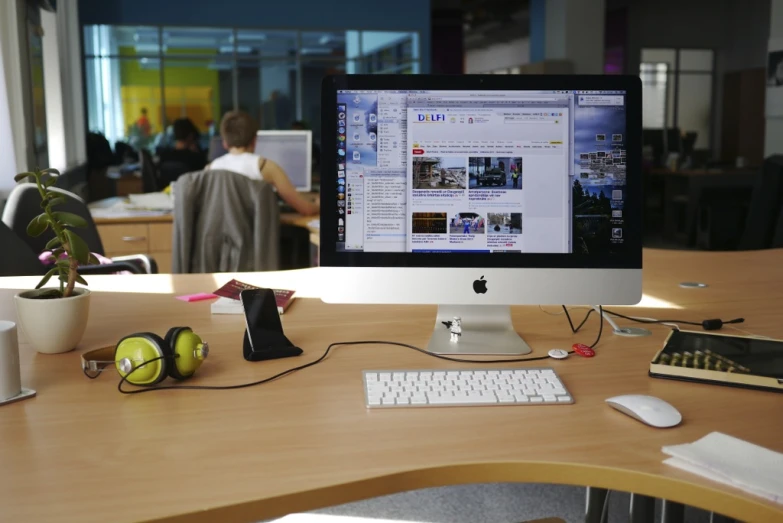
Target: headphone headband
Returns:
[97, 360]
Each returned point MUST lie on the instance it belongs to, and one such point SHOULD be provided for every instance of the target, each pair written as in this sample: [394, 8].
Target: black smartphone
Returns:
[264, 333]
[260, 314]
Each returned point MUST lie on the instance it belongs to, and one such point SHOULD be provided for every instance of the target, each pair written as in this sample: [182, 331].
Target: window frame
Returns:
[358, 61]
[673, 74]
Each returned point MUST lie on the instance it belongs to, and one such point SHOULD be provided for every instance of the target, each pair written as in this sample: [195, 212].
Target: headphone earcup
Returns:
[183, 343]
[140, 348]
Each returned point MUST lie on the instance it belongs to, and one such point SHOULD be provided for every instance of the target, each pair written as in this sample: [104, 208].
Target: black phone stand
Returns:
[270, 342]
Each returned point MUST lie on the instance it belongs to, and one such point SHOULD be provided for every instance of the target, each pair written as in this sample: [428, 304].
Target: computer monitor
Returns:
[480, 192]
[292, 150]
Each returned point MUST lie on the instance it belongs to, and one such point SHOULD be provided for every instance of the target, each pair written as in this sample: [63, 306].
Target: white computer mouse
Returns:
[647, 409]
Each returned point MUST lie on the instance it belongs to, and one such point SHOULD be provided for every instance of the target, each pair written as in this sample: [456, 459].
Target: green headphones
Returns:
[145, 359]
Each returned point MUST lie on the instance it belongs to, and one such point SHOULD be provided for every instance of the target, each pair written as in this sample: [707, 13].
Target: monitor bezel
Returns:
[631, 258]
[308, 134]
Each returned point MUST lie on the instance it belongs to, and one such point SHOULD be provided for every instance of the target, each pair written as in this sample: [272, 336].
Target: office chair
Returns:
[224, 222]
[24, 203]
[777, 240]
[170, 171]
[149, 174]
[294, 247]
[765, 206]
[18, 258]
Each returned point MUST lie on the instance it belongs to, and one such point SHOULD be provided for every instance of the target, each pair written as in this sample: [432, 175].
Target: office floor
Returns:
[485, 503]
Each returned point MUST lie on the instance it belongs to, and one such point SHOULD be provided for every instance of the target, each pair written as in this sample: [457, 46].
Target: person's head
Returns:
[238, 129]
[185, 131]
[299, 125]
[144, 111]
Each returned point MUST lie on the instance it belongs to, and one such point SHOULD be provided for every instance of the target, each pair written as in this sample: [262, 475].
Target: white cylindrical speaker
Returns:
[10, 379]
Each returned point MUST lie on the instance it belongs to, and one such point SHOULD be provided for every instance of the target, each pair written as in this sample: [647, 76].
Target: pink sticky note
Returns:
[197, 297]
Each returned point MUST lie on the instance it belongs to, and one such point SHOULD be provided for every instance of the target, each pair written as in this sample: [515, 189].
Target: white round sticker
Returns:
[558, 354]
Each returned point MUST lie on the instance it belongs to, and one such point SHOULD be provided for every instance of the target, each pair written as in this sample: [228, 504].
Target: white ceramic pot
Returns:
[55, 325]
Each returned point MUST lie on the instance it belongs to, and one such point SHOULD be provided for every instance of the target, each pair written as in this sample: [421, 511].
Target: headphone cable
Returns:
[124, 379]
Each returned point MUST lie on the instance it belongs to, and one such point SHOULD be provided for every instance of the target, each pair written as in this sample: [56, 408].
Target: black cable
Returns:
[319, 360]
[710, 324]
[584, 320]
[600, 326]
[571, 324]
[641, 320]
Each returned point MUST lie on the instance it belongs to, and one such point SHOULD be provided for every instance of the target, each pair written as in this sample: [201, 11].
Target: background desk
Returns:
[82, 452]
[680, 193]
[141, 233]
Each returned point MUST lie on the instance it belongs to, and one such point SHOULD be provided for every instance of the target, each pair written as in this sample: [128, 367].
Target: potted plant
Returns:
[54, 318]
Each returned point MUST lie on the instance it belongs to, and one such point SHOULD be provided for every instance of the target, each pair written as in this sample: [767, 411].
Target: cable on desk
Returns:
[584, 320]
[709, 325]
[319, 360]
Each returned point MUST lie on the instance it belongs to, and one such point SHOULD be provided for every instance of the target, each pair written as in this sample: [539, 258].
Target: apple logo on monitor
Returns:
[480, 286]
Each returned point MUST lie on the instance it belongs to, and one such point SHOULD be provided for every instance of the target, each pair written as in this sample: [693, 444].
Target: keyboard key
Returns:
[564, 399]
[536, 399]
[455, 400]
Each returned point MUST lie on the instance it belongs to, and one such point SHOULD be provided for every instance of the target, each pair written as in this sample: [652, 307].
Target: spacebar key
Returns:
[461, 400]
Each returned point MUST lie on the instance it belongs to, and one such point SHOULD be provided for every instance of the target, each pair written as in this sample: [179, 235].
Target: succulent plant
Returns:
[65, 241]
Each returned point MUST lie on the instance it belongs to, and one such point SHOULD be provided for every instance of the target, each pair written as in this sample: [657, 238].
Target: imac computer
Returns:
[291, 150]
[475, 193]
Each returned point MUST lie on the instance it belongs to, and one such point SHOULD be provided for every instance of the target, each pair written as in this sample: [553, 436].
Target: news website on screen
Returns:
[480, 171]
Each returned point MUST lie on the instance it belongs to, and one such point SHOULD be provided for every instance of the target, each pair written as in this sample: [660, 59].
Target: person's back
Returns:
[239, 138]
[244, 163]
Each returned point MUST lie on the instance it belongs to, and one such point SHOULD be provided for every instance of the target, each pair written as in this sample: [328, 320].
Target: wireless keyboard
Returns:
[471, 387]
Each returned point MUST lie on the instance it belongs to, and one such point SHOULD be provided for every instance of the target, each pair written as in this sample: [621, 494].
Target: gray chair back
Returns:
[24, 203]
[18, 258]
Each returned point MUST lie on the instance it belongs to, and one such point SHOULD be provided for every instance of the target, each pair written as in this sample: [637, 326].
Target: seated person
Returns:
[186, 152]
[239, 138]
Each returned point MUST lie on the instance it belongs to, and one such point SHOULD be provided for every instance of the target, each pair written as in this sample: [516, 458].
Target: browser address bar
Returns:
[521, 121]
[480, 100]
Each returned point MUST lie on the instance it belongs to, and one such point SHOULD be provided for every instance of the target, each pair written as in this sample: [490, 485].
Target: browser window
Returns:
[480, 171]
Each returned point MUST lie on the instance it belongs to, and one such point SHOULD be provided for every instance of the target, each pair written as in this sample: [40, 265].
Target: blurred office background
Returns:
[78, 73]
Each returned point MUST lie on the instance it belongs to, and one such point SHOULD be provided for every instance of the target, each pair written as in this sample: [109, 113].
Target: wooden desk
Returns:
[152, 235]
[125, 183]
[82, 452]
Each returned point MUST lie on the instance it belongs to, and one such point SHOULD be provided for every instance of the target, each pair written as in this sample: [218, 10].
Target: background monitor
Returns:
[216, 149]
[292, 150]
[479, 192]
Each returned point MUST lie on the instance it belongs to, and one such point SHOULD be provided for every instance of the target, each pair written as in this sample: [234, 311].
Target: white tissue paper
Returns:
[732, 461]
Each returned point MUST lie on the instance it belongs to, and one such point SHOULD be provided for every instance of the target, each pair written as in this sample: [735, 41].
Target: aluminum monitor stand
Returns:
[628, 332]
[486, 329]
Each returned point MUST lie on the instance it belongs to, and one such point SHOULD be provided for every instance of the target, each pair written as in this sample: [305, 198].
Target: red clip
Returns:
[583, 350]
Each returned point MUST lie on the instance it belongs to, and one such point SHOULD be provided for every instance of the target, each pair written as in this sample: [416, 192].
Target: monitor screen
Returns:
[291, 150]
[481, 189]
[481, 171]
